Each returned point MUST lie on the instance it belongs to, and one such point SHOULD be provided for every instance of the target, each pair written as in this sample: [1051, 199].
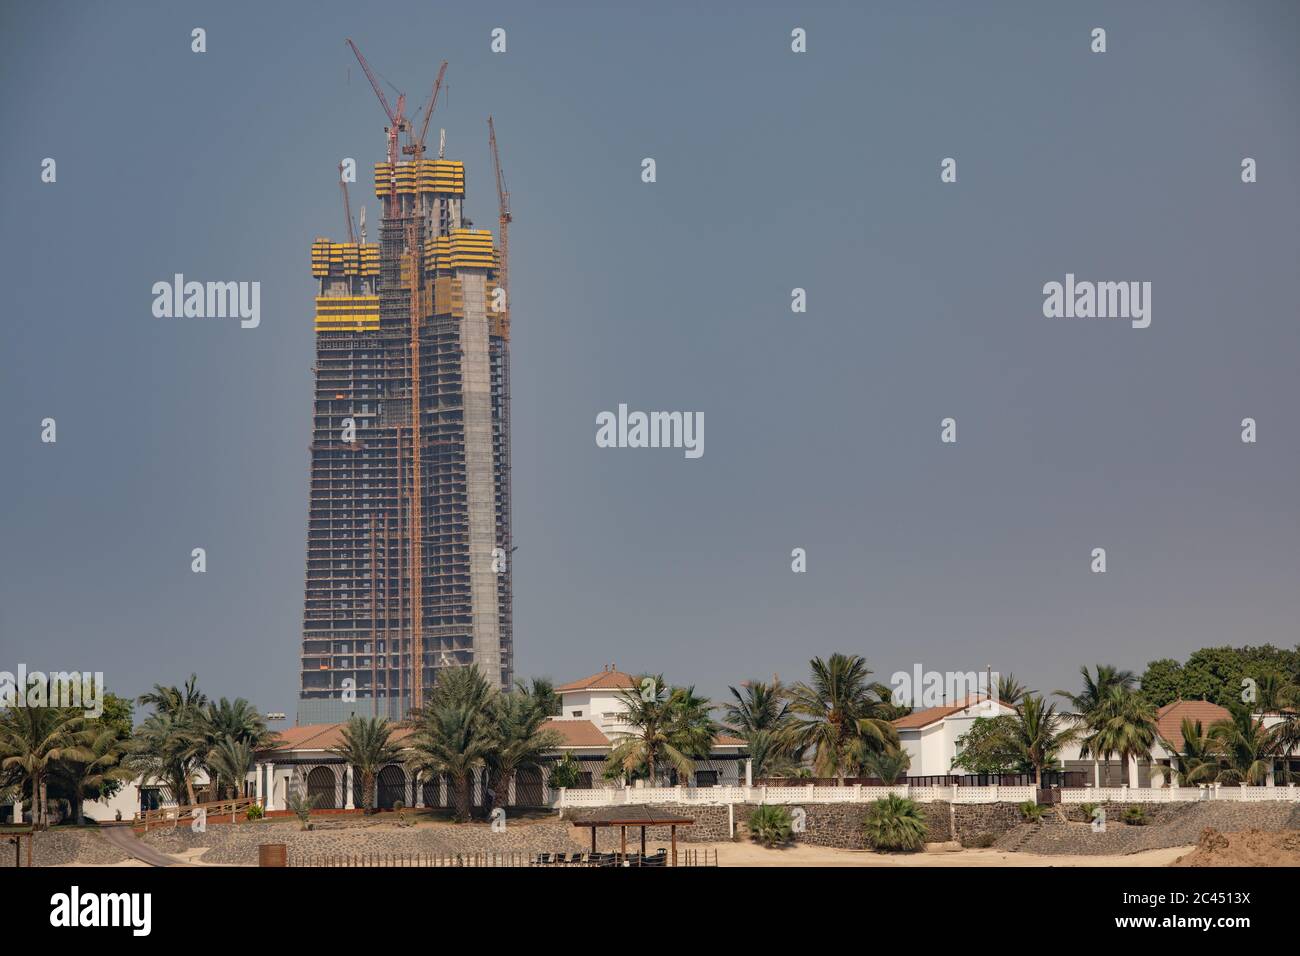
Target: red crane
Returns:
[397, 122]
[504, 218]
[416, 148]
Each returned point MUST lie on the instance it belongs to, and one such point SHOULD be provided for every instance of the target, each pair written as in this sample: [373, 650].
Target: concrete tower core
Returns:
[408, 540]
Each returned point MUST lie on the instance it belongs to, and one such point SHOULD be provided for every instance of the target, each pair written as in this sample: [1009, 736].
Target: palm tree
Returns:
[888, 766]
[1196, 761]
[230, 762]
[96, 761]
[519, 741]
[1038, 734]
[176, 700]
[1124, 723]
[759, 707]
[170, 744]
[542, 690]
[760, 715]
[367, 746]
[32, 741]
[453, 733]
[670, 726]
[1247, 748]
[895, 823]
[1095, 690]
[838, 706]
[168, 747]
[1011, 691]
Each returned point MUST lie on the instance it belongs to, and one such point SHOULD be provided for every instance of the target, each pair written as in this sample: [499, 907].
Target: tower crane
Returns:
[397, 122]
[416, 148]
[504, 218]
[347, 206]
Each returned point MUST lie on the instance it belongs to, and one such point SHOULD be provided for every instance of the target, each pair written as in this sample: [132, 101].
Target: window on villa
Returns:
[577, 713]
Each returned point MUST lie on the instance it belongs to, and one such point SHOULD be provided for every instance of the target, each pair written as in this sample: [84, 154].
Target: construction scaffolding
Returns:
[409, 537]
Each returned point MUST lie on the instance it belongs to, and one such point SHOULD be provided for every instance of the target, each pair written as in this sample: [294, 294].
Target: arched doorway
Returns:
[433, 791]
[391, 787]
[322, 785]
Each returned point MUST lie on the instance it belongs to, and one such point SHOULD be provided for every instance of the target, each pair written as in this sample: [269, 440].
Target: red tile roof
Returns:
[577, 733]
[319, 737]
[930, 715]
[1169, 718]
[605, 680]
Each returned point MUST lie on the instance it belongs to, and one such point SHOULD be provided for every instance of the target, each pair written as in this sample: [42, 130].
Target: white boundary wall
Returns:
[617, 796]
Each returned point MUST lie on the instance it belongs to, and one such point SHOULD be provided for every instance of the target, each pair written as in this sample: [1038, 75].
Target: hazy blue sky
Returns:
[775, 170]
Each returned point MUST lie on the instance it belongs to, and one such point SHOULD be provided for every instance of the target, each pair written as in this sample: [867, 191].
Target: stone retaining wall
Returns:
[829, 824]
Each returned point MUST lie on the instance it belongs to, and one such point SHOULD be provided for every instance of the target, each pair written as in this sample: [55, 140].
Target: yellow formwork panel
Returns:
[347, 313]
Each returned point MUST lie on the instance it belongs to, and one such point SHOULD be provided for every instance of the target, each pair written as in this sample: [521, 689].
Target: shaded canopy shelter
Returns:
[636, 815]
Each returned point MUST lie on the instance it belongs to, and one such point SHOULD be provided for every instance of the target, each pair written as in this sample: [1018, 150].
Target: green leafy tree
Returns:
[987, 747]
[1162, 681]
[565, 772]
[367, 746]
[841, 714]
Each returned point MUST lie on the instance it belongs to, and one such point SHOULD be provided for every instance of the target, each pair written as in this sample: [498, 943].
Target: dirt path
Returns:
[748, 854]
[124, 839]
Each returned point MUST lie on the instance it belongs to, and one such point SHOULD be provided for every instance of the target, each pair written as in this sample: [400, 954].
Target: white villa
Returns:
[930, 738]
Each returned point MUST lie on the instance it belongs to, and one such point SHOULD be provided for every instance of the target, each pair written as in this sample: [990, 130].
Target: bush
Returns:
[302, 805]
[980, 841]
[1135, 816]
[770, 825]
[895, 823]
[1089, 810]
[255, 812]
[1032, 812]
[565, 772]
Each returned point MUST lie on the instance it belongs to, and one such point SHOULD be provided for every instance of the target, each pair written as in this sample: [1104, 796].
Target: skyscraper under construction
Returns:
[408, 540]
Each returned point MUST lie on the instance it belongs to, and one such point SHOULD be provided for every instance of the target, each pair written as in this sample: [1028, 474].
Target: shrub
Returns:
[895, 823]
[770, 825]
[302, 805]
[566, 772]
[1135, 816]
[1032, 812]
[254, 812]
[1089, 810]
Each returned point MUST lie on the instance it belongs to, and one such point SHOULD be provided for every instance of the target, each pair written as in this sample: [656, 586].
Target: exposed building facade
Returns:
[409, 539]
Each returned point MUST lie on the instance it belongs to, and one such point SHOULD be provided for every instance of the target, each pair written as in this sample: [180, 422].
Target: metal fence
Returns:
[705, 856]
